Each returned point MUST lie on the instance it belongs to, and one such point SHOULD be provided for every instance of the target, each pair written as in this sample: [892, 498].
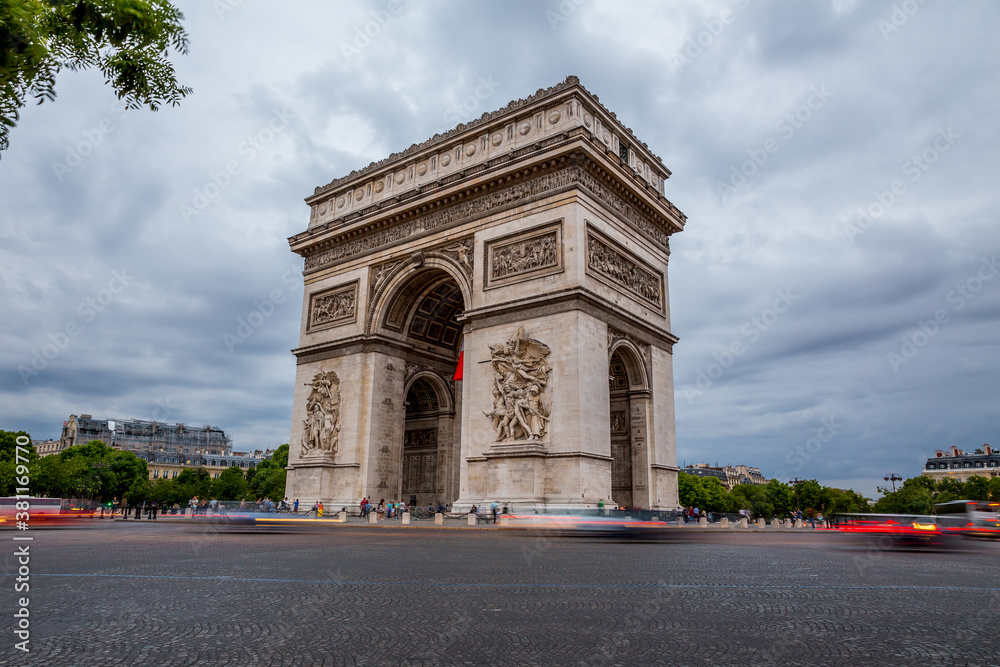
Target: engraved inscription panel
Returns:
[615, 266]
[531, 254]
[333, 307]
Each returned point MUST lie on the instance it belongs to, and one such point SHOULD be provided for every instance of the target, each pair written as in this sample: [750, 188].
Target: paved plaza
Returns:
[182, 594]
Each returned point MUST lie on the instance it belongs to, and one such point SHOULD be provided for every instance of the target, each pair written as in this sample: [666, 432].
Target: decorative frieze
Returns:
[627, 212]
[617, 267]
[531, 254]
[515, 194]
[333, 307]
[421, 438]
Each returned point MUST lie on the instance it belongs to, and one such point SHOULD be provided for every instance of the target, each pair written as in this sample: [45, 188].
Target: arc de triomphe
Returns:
[532, 243]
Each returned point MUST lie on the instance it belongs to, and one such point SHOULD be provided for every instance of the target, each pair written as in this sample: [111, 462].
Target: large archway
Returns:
[422, 310]
[627, 389]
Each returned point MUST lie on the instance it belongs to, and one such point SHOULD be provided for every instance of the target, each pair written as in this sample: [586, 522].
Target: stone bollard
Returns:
[680, 522]
[473, 519]
[406, 518]
[761, 523]
[744, 522]
[724, 522]
[342, 515]
[787, 523]
[775, 523]
[799, 523]
[439, 519]
[504, 520]
[703, 522]
[373, 517]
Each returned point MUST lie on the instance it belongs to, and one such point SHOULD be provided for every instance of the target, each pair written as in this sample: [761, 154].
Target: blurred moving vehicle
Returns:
[973, 518]
[900, 530]
[43, 511]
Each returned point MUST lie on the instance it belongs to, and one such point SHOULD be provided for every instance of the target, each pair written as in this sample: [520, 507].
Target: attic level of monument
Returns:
[486, 317]
[562, 118]
[522, 108]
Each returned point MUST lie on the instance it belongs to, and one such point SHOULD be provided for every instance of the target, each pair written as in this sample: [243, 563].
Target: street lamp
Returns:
[893, 477]
[795, 481]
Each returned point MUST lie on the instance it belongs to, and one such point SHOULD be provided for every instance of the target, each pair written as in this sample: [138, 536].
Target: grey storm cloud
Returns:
[805, 144]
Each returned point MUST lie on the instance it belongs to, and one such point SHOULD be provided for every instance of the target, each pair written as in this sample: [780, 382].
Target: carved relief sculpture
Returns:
[521, 408]
[321, 433]
[621, 270]
[334, 306]
[462, 252]
[524, 256]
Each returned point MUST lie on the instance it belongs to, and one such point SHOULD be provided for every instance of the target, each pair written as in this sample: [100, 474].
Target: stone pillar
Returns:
[679, 522]
[342, 515]
[744, 522]
[472, 519]
[725, 522]
[640, 406]
[373, 517]
[761, 523]
[787, 523]
[798, 523]
[662, 430]
[703, 522]
[775, 523]
[384, 432]
[438, 519]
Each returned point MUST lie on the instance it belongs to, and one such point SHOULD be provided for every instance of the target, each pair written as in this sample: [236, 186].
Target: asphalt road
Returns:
[161, 594]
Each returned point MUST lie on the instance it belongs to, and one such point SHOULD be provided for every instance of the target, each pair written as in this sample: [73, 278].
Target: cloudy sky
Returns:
[836, 160]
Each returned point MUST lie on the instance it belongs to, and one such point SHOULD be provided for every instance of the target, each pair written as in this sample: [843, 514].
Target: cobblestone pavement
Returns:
[148, 594]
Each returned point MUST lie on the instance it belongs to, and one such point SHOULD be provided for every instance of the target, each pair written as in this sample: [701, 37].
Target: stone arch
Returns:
[441, 388]
[410, 280]
[629, 394]
[633, 360]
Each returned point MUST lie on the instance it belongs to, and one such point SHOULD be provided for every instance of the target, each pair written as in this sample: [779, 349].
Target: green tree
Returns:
[689, 490]
[193, 482]
[92, 470]
[8, 462]
[915, 496]
[128, 40]
[780, 497]
[267, 479]
[753, 497]
[230, 485]
[280, 457]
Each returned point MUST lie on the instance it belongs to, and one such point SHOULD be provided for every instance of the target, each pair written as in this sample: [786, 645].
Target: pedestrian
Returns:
[319, 509]
[495, 509]
[295, 506]
[380, 510]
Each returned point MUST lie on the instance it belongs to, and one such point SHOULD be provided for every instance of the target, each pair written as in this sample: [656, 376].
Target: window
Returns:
[623, 152]
[175, 474]
[156, 473]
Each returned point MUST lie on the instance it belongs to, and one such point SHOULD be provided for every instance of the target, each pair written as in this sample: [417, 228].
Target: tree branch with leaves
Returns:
[128, 40]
